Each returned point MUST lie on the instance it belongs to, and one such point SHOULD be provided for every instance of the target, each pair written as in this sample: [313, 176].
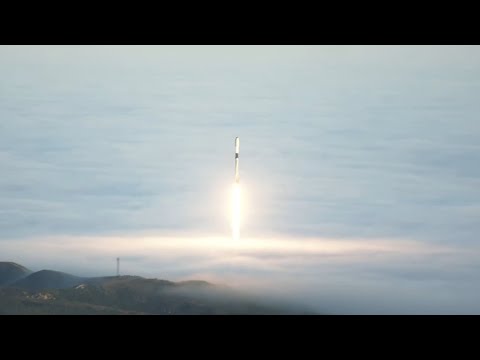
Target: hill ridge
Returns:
[55, 292]
[11, 271]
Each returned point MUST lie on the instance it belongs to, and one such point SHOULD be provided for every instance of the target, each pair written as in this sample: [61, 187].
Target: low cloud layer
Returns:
[326, 275]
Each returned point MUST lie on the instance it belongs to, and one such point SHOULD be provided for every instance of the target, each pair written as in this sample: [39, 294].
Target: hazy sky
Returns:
[355, 144]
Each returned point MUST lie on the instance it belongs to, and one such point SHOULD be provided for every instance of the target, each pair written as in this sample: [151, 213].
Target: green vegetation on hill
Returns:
[51, 292]
[48, 279]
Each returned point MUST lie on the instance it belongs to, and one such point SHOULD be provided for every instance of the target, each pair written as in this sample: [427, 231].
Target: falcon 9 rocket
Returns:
[237, 150]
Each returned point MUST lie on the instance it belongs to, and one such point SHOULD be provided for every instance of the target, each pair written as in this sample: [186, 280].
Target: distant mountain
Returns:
[53, 292]
[11, 272]
[47, 279]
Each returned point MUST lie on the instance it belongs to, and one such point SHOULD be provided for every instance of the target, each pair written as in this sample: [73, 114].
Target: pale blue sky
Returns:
[350, 141]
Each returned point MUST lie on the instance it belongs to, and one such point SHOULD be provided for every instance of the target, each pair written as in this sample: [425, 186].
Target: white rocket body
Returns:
[237, 151]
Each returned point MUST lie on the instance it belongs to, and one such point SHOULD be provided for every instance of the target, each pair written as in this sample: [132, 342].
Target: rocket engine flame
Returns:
[236, 206]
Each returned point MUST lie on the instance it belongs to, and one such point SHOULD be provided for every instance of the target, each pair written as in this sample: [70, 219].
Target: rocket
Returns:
[237, 150]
